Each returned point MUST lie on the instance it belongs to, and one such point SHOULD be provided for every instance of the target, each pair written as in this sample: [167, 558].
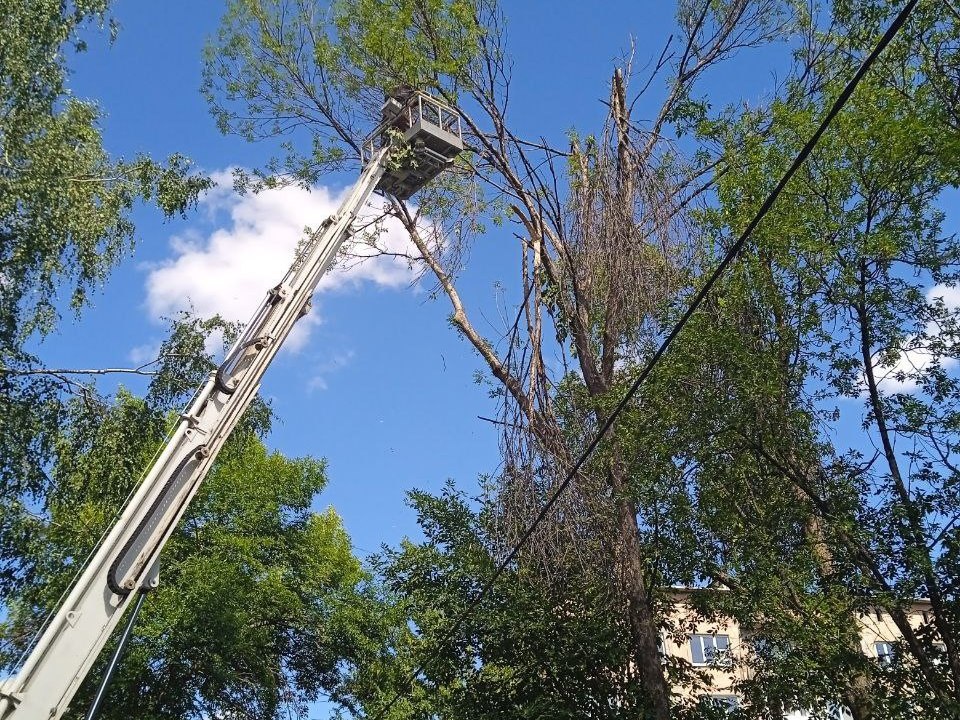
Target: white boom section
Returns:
[124, 562]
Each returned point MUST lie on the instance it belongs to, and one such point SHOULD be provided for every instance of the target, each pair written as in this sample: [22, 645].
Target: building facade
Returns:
[720, 654]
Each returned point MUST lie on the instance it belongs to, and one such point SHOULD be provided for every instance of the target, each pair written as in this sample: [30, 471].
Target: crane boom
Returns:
[124, 562]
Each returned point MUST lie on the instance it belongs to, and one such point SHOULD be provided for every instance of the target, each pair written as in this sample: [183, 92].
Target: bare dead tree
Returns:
[601, 252]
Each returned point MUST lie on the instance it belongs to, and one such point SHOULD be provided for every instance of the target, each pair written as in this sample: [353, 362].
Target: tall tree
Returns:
[260, 597]
[595, 222]
[64, 224]
[840, 303]
[510, 658]
[64, 202]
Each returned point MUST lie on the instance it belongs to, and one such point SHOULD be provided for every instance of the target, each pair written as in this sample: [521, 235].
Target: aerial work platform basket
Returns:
[431, 131]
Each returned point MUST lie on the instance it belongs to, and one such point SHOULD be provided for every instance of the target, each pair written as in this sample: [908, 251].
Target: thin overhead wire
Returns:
[732, 252]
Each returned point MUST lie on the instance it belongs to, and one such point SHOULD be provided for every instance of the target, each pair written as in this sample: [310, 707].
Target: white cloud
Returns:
[902, 375]
[950, 294]
[228, 271]
[331, 365]
[145, 353]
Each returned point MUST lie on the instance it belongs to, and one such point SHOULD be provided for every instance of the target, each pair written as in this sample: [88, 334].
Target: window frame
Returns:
[728, 702]
[713, 656]
[885, 658]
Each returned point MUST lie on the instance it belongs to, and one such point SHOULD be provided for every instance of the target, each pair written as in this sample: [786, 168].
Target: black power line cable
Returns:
[694, 305]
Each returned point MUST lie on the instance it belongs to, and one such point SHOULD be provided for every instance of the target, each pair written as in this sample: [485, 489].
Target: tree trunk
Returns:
[857, 694]
[644, 628]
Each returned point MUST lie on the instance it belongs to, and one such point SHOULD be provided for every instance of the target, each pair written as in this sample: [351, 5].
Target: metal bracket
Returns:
[307, 307]
[8, 700]
[191, 432]
[190, 419]
[264, 341]
[278, 293]
[14, 697]
[152, 579]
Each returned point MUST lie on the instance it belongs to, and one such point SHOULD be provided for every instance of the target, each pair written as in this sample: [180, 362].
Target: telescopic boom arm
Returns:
[126, 561]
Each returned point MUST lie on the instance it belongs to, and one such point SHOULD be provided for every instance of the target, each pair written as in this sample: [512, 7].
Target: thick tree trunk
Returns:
[857, 695]
[644, 628]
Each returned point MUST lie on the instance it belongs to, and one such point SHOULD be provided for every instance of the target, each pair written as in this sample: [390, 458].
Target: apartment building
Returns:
[721, 652]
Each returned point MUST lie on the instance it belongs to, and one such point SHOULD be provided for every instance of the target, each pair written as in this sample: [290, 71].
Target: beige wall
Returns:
[683, 621]
[879, 626]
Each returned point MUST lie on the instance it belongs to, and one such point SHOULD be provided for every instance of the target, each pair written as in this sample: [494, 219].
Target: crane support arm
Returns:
[125, 560]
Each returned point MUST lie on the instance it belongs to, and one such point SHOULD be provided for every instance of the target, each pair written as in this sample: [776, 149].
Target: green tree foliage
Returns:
[313, 74]
[525, 652]
[836, 313]
[64, 224]
[261, 603]
[64, 202]
[257, 595]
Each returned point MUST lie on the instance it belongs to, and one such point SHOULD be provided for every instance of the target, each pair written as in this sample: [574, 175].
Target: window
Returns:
[710, 649]
[827, 711]
[884, 652]
[762, 647]
[766, 650]
[726, 703]
[836, 711]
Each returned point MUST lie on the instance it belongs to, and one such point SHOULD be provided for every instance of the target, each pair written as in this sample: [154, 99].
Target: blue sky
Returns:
[380, 386]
